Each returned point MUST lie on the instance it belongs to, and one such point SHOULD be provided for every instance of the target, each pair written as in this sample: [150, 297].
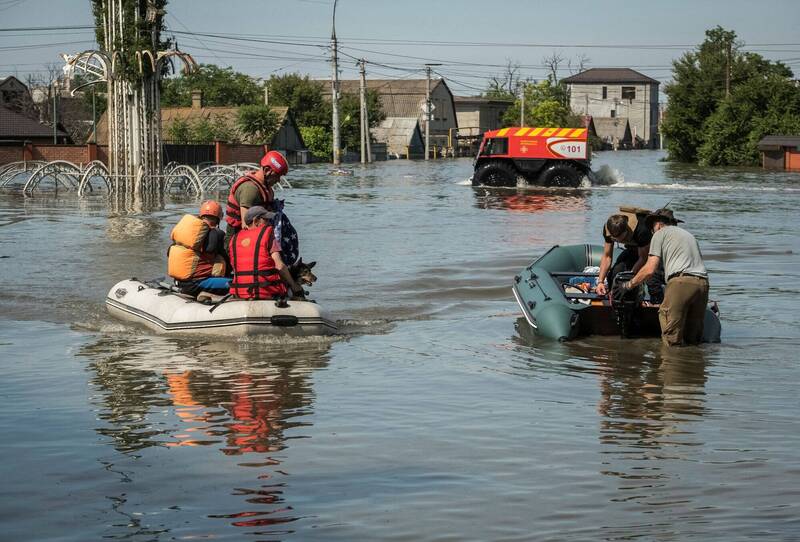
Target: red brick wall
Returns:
[77, 154]
[10, 154]
[234, 154]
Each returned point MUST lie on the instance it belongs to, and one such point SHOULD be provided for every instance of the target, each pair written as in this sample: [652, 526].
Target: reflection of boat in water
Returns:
[167, 311]
[556, 303]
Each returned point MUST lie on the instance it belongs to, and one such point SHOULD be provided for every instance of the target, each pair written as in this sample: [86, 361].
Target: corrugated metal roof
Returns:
[14, 125]
[610, 75]
[399, 97]
[773, 142]
[398, 133]
[612, 127]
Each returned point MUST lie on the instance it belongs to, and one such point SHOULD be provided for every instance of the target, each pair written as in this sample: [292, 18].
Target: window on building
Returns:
[613, 113]
[605, 93]
[628, 93]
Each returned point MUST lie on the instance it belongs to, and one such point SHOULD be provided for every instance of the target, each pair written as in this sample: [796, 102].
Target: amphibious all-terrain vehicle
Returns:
[557, 157]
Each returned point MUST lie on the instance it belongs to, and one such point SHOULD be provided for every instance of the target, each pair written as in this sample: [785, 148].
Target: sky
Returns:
[472, 40]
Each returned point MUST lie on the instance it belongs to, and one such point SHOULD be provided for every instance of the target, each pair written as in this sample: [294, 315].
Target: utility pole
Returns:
[55, 112]
[728, 70]
[266, 94]
[364, 117]
[337, 142]
[428, 110]
[522, 107]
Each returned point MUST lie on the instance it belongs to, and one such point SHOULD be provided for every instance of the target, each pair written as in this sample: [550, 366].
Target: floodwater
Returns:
[431, 417]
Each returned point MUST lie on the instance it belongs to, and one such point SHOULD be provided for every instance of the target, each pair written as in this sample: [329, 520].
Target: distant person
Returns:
[683, 310]
[196, 259]
[258, 268]
[629, 229]
[253, 188]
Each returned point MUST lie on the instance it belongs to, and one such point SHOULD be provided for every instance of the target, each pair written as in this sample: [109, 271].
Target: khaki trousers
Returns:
[684, 308]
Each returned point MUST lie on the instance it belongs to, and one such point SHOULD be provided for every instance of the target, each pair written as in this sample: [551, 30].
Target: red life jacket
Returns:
[254, 272]
[233, 215]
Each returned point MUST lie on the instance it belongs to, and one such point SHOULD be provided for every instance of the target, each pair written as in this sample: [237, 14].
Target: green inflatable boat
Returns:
[556, 298]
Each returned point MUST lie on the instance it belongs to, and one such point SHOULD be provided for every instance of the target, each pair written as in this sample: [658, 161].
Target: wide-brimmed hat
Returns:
[257, 211]
[661, 215]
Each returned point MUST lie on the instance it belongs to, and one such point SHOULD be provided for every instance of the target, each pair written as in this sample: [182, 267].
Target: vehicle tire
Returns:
[561, 174]
[495, 173]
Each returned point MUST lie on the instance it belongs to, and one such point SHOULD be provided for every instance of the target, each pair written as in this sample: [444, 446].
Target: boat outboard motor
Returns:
[626, 305]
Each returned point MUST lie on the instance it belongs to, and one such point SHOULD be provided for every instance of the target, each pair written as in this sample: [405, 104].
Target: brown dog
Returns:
[302, 274]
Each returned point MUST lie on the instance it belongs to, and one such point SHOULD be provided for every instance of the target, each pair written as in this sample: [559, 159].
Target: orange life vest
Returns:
[186, 259]
[233, 214]
[254, 272]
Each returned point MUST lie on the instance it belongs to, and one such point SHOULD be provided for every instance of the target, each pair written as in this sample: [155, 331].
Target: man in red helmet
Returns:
[253, 188]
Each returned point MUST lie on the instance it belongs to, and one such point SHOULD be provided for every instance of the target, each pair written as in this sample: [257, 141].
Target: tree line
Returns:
[255, 121]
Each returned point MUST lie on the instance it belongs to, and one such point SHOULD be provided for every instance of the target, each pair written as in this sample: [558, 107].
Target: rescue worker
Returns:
[629, 229]
[258, 268]
[196, 259]
[682, 312]
[253, 188]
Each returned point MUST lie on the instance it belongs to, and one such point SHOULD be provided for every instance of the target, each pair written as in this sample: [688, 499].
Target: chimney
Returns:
[197, 99]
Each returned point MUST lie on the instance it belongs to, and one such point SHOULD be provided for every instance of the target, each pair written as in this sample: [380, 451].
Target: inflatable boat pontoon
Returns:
[165, 310]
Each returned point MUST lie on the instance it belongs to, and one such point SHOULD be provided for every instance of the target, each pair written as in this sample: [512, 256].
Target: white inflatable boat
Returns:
[167, 311]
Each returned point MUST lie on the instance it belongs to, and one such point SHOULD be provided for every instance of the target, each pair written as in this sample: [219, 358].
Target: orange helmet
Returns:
[211, 208]
[276, 162]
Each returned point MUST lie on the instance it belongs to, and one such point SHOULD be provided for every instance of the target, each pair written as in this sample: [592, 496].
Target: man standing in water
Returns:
[682, 312]
[629, 229]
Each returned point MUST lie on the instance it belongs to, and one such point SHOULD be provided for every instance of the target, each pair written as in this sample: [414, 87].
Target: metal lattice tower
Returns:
[131, 64]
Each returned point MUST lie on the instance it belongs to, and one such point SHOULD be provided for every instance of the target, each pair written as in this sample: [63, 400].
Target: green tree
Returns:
[318, 140]
[303, 96]
[220, 86]
[180, 131]
[257, 123]
[546, 104]
[704, 124]
[350, 113]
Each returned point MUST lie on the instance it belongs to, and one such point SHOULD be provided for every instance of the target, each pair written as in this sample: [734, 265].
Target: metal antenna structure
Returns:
[130, 63]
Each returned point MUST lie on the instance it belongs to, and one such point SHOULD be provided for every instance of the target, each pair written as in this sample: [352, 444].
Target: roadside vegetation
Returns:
[707, 124]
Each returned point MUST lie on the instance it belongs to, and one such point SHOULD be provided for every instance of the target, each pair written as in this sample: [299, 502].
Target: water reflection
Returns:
[528, 200]
[649, 397]
[195, 398]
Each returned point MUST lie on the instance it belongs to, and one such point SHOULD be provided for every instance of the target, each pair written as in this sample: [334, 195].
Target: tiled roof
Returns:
[609, 75]
[14, 125]
[192, 114]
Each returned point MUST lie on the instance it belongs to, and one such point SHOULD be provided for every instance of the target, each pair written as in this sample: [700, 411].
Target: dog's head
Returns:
[301, 272]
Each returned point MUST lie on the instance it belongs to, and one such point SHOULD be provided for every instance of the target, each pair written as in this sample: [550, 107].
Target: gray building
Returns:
[618, 92]
[477, 115]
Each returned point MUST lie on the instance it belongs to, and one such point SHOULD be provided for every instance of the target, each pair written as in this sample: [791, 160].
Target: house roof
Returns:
[14, 125]
[193, 114]
[399, 97]
[610, 75]
[398, 133]
[775, 142]
[612, 127]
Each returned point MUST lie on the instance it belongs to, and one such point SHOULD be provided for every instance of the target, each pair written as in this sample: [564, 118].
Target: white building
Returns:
[618, 92]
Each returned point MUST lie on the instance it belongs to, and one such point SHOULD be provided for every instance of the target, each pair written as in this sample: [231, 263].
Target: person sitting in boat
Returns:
[259, 271]
[251, 189]
[629, 229]
[196, 259]
[682, 313]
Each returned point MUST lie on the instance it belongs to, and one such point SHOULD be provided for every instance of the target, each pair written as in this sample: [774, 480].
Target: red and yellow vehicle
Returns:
[543, 156]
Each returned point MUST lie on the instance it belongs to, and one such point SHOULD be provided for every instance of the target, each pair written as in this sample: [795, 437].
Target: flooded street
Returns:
[431, 416]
